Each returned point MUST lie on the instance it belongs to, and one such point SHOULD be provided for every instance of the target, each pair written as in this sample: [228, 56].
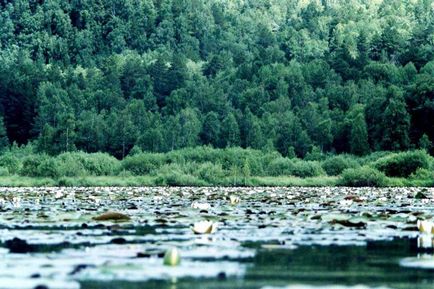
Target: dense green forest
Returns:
[296, 76]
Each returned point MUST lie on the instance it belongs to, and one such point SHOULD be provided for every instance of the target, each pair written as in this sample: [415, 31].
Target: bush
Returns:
[335, 165]
[70, 165]
[31, 165]
[143, 164]
[362, 177]
[369, 159]
[100, 164]
[306, 169]
[315, 155]
[173, 175]
[294, 167]
[10, 162]
[95, 164]
[66, 182]
[125, 174]
[4, 172]
[422, 174]
[280, 167]
[210, 173]
[50, 168]
[403, 164]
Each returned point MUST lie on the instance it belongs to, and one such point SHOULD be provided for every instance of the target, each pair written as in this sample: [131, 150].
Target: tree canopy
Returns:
[342, 76]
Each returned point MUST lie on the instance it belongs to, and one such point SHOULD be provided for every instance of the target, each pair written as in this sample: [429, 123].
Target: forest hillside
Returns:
[293, 76]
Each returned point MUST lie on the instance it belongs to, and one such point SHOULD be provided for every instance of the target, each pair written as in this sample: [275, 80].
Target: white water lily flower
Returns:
[16, 202]
[200, 206]
[234, 199]
[425, 241]
[425, 226]
[204, 227]
[346, 203]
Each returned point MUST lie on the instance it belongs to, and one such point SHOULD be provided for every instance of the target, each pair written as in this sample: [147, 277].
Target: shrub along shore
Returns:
[205, 166]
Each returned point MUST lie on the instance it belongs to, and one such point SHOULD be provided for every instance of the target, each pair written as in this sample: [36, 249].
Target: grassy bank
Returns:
[205, 166]
[137, 181]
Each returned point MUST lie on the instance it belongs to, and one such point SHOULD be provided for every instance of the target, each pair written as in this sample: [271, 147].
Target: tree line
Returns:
[158, 75]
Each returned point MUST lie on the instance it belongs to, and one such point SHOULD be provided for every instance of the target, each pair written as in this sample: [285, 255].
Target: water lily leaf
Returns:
[172, 257]
[112, 216]
[420, 262]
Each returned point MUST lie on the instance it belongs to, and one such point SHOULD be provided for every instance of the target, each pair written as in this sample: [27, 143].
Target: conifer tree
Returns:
[4, 140]
[359, 134]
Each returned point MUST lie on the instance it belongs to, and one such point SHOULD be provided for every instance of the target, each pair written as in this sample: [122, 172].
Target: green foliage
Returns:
[31, 165]
[142, 164]
[315, 155]
[136, 150]
[70, 165]
[371, 158]
[99, 164]
[362, 177]
[335, 165]
[207, 166]
[306, 169]
[352, 77]
[295, 167]
[140, 86]
[211, 130]
[403, 164]
[80, 164]
[10, 162]
[280, 167]
[423, 174]
[50, 168]
[397, 122]
[230, 131]
[4, 140]
[425, 143]
[173, 175]
[4, 172]
[358, 134]
[210, 173]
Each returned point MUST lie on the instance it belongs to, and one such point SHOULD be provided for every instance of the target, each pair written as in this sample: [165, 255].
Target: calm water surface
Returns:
[272, 238]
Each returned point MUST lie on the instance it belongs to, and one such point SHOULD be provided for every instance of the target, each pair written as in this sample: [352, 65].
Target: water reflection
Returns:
[425, 241]
[378, 264]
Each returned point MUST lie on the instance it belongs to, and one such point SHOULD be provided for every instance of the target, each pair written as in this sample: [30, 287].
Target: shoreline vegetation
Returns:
[206, 166]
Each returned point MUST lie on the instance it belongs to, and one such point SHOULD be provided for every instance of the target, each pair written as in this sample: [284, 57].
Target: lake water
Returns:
[265, 238]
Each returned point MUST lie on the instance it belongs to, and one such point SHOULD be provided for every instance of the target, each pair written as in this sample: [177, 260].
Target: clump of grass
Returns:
[20, 181]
